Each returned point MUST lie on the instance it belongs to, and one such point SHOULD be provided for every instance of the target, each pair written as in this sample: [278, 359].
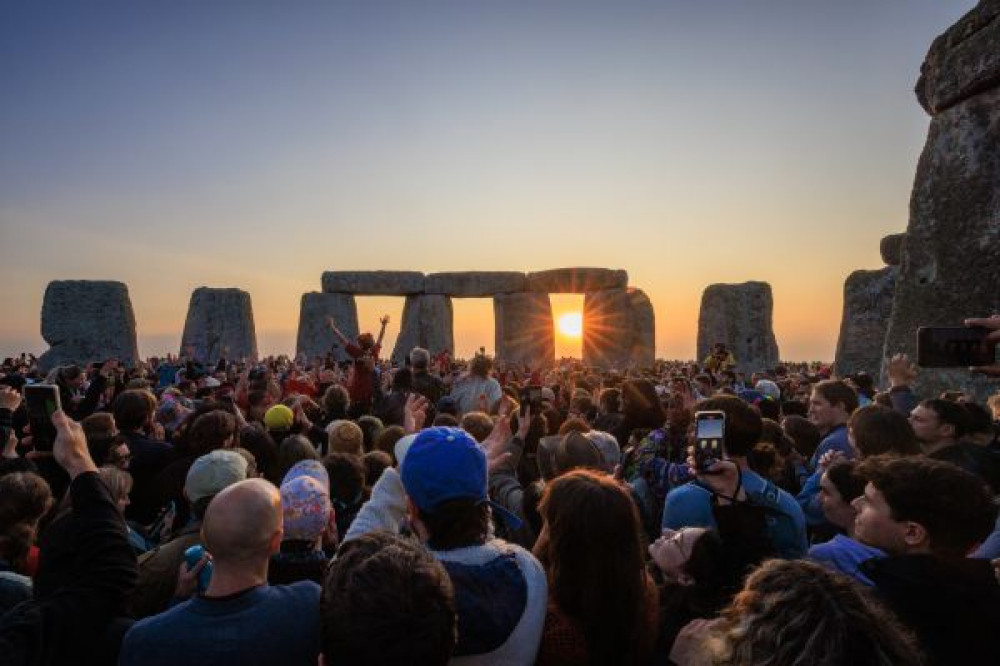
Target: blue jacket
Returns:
[835, 440]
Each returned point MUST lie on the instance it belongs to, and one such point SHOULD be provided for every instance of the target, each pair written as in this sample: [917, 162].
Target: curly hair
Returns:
[797, 613]
[386, 600]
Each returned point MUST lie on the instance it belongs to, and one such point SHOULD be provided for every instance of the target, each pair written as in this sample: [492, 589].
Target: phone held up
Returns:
[531, 396]
[709, 432]
[954, 347]
[42, 401]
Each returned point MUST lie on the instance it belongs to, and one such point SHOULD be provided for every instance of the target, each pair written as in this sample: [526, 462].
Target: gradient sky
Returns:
[256, 144]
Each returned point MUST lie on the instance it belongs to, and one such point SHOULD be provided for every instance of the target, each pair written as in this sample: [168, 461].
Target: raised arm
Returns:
[337, 332]
[381, 333]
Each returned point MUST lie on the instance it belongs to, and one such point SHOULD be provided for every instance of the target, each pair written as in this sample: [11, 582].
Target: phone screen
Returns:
[954, 347]
[42, 401]
[710, 428]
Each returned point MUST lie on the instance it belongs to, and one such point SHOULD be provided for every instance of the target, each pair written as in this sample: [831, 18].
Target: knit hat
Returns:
[608, 446]
[279, 417]
[444, 464]
[308, 468]
[346, 437]
[213, 472]
[306, 508]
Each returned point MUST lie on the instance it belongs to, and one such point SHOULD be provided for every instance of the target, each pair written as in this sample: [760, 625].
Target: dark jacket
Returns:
[62, 625]
[979, 460]
[953, 606]
[903, 399]
[427, 385]
[149, 458]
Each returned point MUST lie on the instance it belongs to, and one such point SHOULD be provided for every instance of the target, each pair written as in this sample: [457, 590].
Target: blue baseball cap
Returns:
[445, 464]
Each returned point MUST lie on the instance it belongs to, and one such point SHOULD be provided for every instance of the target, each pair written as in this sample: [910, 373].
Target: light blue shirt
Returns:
[690, 505]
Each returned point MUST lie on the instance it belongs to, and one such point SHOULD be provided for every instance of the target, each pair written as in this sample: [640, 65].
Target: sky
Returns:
[171, 145]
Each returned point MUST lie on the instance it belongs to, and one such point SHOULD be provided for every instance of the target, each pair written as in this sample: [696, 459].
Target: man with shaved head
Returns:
[239, 618]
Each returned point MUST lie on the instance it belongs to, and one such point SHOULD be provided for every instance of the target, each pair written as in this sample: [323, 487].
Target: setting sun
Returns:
[571, 324]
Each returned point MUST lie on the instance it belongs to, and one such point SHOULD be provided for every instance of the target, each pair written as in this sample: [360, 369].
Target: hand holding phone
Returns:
[709, 435]
[531, 396]
[42, 401]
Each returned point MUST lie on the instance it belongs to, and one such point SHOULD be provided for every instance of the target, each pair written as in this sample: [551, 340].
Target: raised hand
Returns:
[415, 413]
[9, 398]
[70, 447]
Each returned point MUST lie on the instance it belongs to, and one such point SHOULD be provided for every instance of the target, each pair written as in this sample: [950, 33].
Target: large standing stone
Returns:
[315, 336]
[475, 284]
[219, 321]
[577, 280]
[643, 319]
[867, 307]
[891, 249]
[607, 329]
[524, 328]
[427, 322]
[740, 316]
[951, 259]
[373, 283]
[85, 321]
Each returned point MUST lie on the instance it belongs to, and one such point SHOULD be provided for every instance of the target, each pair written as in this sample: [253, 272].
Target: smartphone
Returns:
[192, 556]
[709, 433]
[954, 347]
[42, 401]
[531, 396]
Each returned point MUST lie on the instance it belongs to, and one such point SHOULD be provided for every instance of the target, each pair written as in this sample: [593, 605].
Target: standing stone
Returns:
[867, 308]
[950, 266]
[577, 280]
[643, 319]
[427, 322]
[891, 249]
[373, 283]
[740, 316]
[607, 329]
[475, 284]
[85, 321]
[315, 336]
[219, 320]
[524, 329]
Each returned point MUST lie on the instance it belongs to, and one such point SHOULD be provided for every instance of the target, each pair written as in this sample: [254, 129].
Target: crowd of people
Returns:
[360, 512]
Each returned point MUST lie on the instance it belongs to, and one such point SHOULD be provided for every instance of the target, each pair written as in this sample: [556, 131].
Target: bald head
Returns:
[242, 522]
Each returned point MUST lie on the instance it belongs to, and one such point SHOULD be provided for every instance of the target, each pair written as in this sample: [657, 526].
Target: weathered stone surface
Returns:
[643, 329]
[475, 284]
[315, 337]
[219, 321]
[951, 260]
[607, 329]
[373, 283]
[524, 328]
[740, 316]
[891, 248]
[962, 62]
[85, 321]
[577, 280]
[867, 308]
[427, 322]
